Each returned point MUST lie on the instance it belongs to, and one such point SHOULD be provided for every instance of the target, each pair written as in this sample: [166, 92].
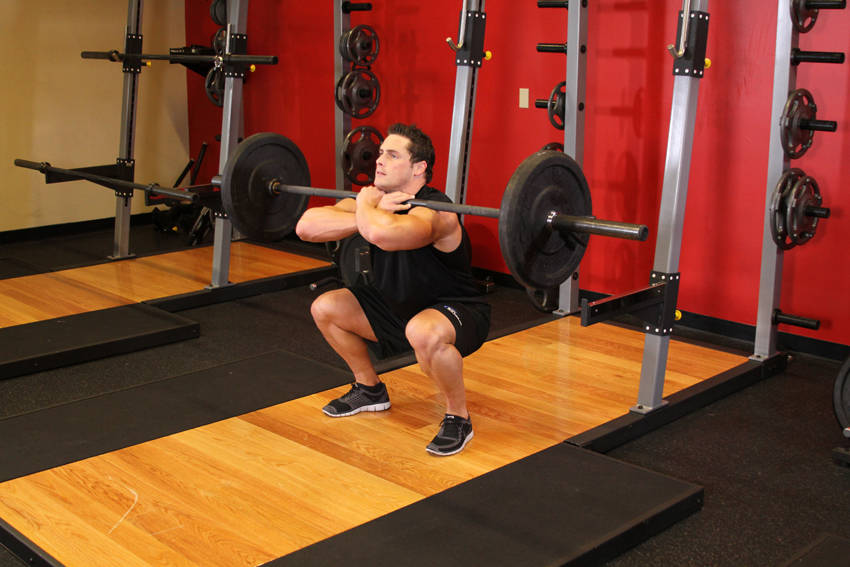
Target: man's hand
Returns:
[395, 201]
[369, 197]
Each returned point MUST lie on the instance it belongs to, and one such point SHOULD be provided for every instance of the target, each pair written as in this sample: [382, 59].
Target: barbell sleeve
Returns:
[592, 225]
[109, 182]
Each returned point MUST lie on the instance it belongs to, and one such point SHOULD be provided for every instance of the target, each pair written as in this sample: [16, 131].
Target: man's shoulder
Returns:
[428, 193]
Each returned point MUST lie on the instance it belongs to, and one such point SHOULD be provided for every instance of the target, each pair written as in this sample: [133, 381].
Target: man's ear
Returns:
[419, 168]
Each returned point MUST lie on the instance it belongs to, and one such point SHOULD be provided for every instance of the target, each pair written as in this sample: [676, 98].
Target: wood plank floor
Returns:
[249, 489]
[101, 286]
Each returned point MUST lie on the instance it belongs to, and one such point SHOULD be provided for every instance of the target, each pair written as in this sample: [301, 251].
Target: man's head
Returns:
[408, 143]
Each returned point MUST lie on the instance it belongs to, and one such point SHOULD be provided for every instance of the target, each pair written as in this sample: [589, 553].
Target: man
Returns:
[421, 296]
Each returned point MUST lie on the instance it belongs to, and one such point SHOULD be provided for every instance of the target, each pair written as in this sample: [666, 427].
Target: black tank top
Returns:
[412, 280]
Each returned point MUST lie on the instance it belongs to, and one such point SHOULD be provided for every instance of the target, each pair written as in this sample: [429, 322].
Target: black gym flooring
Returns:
[760, 458]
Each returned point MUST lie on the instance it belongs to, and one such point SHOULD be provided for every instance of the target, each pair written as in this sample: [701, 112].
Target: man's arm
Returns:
[377, 223]
[323, 224]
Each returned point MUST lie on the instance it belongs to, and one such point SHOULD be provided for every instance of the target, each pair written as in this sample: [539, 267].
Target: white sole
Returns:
[456, 451]
[374, 407]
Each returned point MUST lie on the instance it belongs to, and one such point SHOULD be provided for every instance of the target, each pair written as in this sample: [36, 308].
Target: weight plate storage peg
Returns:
[359, 154]
[255, 210]
[358, 93]
[360, 45]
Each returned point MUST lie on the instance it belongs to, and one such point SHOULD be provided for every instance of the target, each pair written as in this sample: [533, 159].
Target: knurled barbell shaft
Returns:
[559, 222]
[277, 187]
[553, 3]
[819, 125]
[108, 182]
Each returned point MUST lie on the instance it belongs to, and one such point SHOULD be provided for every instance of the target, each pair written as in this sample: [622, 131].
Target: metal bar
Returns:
[108, 182]
[574, 103]
[231, 130]
[342, 121]
[176, 58]
[819, 125]
[462, 116]
[435, 205]
[798, 56]
[671, 219]
[591, 225]
[121, 237]
[604, 309]
[826, 4]
[552, 48]
[770, 276]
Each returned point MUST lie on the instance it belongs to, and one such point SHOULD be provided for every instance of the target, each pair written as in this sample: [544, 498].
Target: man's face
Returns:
[393, 169]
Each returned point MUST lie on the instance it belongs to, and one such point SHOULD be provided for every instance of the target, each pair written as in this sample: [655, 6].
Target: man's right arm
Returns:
[323, 224]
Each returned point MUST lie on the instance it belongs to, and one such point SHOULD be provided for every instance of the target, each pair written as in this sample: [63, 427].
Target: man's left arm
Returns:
[378, 224]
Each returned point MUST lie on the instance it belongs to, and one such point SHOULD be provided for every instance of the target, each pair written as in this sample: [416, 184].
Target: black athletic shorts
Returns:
[471, 320]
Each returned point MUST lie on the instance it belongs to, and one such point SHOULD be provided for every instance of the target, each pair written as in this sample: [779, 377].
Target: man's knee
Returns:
[325, 308]
[428, 334]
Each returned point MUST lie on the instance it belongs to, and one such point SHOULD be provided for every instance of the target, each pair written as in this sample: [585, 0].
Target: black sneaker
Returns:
[359, 399]
[455, 432]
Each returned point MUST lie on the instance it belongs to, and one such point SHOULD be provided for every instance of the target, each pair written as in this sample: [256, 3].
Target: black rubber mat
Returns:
[43, 345]
[562, 506]
[829, 549]
[16, 268]
[56, 436]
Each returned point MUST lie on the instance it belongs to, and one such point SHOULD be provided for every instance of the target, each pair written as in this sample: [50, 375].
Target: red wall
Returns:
[629, 89]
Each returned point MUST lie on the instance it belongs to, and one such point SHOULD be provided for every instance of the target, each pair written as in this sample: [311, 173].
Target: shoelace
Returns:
[451, 427]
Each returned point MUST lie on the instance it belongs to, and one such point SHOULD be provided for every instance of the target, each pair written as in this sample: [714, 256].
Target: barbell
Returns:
[544, 219]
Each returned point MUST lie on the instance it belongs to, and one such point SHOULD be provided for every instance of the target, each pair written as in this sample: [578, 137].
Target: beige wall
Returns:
[60, 108]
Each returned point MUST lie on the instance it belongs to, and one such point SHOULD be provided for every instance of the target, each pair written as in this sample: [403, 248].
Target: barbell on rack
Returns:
[57, 174]
[544, 220]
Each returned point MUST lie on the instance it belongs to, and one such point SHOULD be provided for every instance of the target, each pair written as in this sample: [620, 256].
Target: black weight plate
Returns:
[841, 395]
[218, 12]
[802, 17]
[359, 154]
[360, 45]
[358, 92]
[557, 105]
[779, 207]
[537, 256]
[245, 194]
[214, 86]
[805, 193]
[796, 140]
